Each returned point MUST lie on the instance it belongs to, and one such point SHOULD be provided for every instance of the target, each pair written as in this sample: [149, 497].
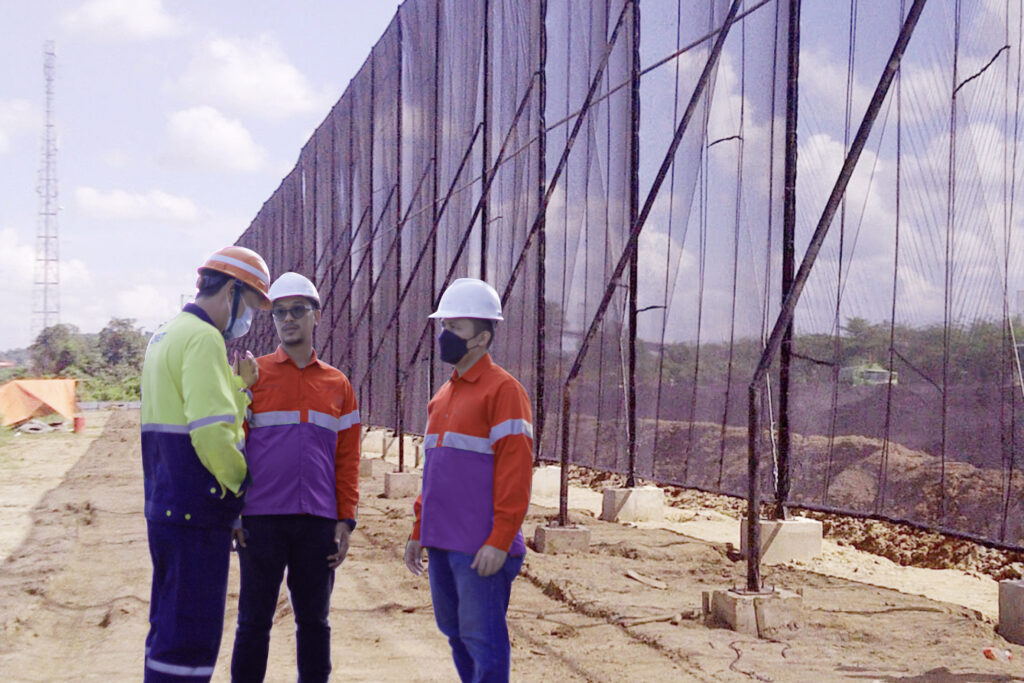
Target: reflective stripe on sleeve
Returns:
[429, 441]
[510, 427]
[348, 420]
[212, 419]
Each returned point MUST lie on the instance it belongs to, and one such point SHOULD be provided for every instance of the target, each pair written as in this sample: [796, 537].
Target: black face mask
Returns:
[452, 346]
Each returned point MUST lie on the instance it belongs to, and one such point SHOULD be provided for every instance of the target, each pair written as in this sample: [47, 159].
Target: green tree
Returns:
[121, 343]
[58, 349]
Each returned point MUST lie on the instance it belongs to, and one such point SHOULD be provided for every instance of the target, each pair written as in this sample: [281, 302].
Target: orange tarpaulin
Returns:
[21, 399]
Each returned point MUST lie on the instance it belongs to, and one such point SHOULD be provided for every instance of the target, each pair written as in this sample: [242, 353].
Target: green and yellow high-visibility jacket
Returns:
[193, 409]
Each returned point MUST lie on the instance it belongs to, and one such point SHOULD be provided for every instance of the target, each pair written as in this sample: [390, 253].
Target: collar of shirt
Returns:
[198, 312]
[281, 356]
[476, 371]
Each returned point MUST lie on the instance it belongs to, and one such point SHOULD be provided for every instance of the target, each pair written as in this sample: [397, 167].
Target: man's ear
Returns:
[487, 342]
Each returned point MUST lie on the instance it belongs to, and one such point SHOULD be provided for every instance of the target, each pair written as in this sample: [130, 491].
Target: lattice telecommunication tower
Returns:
[46, 294]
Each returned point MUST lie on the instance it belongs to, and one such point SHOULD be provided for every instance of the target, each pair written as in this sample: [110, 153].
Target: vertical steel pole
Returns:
[634, 208]
[434, 214]
[485, 213]
[542, 96]
[399, 225]
[788, 251]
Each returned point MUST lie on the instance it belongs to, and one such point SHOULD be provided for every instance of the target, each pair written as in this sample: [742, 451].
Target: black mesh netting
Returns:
[519, 141]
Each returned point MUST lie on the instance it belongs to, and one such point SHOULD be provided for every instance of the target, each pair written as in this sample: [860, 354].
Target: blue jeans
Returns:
[470, 610]
[186, 608]
[300, 543]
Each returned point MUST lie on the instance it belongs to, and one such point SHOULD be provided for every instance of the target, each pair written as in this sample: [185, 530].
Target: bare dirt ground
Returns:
[74, 596]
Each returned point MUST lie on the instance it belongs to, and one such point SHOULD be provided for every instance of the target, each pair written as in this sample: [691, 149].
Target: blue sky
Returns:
[176, 121]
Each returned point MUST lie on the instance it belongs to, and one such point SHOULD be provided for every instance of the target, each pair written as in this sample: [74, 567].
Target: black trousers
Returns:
[299, 544]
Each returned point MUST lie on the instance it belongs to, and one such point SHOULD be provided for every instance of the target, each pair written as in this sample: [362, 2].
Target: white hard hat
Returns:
[468, 297]
[293, 284]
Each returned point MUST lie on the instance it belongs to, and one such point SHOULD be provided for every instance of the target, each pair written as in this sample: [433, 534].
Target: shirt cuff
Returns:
[350, 523]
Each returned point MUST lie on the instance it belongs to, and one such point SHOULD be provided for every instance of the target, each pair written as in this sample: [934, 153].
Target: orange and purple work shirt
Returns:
[478, 466]
[303, 440]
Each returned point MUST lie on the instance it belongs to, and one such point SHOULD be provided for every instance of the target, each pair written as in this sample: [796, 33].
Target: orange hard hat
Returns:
[245, 265]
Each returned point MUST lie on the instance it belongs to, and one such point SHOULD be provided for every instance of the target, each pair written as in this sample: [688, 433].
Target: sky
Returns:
[175, 122]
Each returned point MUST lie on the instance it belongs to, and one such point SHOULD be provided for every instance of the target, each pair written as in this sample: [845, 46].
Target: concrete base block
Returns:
[372, 467]
[639, 504]
[765, 615]
[552, 540]
[1011, 611]
[785, 540]
[401, 484]
[547, 481]
[373, 441]
[409, 447]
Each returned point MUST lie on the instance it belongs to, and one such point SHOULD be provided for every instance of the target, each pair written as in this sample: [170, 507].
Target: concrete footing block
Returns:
[373, 441]
[408, 446]
[638, 504]
[769, 614]
[786, 540]
[1011, 610]
[372, 467]
[547, 481]
[401, 484]
[552, 540]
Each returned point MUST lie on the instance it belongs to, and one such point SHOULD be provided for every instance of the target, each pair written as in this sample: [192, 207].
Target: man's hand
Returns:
[488, 560]
[414, 557]
[247, 368]
[341, 534]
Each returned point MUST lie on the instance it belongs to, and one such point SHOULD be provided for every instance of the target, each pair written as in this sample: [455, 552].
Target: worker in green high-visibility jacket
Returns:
[193, 408]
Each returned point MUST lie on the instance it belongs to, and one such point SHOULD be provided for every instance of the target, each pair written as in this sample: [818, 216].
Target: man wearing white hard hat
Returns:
[303, 451]
[476, 486]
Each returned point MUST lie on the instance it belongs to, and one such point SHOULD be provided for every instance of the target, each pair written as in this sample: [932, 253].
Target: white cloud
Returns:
[16, 262]
[147, 304]
[122, 205]
[16, 117]
[205, 138]
[253, 77]
[124, 19]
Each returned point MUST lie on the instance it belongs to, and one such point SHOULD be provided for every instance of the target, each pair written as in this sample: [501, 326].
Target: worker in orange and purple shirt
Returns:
[303, 451]
[476, 486]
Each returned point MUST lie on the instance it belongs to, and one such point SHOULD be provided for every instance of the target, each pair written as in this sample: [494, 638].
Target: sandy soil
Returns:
[74, 600]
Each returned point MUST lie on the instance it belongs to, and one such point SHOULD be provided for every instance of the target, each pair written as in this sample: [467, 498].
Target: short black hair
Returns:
[483, 325]
[211, 281]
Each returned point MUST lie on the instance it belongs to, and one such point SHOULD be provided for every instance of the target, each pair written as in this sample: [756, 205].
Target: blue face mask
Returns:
[240, 323]
[240, 326]
[452, 346]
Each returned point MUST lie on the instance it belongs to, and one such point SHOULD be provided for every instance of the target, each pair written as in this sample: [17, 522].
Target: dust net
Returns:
[521, 141]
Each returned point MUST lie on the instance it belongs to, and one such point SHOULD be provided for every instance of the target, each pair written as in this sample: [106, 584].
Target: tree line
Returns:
[106, 364]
